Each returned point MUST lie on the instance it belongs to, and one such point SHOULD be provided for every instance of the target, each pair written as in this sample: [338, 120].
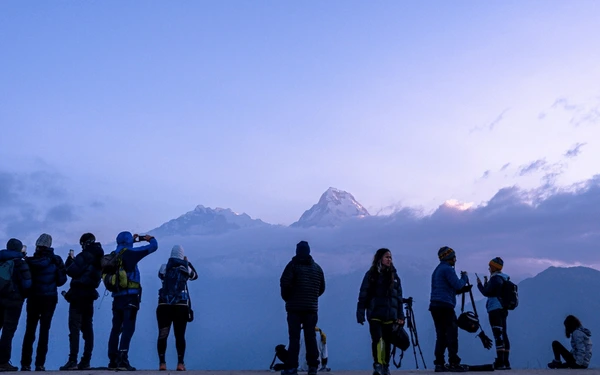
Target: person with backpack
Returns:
[174, 305]
[47, 274]
[581, 346]
[492, 289]
[15, 282]
[445, 285]
[302, 283]
[86, 274]
[127, 296]
[380, 297]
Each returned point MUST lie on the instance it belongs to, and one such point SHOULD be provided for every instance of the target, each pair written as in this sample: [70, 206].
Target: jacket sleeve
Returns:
[400, 299]
[578, 346]
[24, 276]
[193, 273]
[363, 299]
[491, 288]
[453, 280]
[61, 272]
[286, 282]
[322, 287]
[76, 267]
[139, 253]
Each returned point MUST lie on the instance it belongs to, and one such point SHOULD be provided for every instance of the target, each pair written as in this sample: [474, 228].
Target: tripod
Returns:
[411, 324]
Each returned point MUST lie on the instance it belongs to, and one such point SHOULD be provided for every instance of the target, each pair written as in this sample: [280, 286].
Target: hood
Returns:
[586, 331]
[303, 259]
[124, 239]
[41, 258]
[10, 254]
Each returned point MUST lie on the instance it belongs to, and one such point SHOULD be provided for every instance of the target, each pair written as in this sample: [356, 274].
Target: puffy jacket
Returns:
[380, 301]
[302, 283]
[188, 272]
[130, 259]
[21, 276]
[581, 346]
[493, 289]
[445, 285]
[47, 272]
[85, 272]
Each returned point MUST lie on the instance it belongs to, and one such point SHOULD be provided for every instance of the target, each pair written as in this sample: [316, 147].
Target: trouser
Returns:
[498, 323]
[10, 312]
[559, 350]
[167, 315]
[39, 309]
[124, 311]
[306, 321]
[381, 341]
[81, 314]
[446, 332]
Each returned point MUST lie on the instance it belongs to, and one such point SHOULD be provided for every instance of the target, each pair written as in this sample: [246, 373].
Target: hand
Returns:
[400, 321]
[464, 273]
[485, 278]
[185, 258]
[478, 281]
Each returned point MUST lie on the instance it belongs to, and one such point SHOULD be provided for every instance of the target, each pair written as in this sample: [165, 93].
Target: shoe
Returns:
[499, 365]
[386, 369]
[40, 368]
[84, 364]
[377, 369]
[112, 365]
[162, 367]
[25, 368]
[70, 365]
[8, 367]
[180, 367]
[555, 364]
[291, 371]
[324, 369]
[312, 371]
[441, 368]
[123, 362]
[458, 368]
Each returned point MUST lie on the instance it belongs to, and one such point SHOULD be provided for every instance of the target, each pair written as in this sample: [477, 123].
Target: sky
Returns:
[121, 116]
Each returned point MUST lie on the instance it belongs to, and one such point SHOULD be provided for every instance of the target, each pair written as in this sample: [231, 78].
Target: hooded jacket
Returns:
[581, 346]
[85, 272]
[21, 276]
[493, 290]
[47, 272]
[380, 301]
[302, 283]
[130, 259]
[445, 285]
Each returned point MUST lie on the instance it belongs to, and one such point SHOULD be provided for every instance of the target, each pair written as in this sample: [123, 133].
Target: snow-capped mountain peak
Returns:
[334, 207]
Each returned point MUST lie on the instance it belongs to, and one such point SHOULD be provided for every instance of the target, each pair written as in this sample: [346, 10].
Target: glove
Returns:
[360, 317]
[485, 340]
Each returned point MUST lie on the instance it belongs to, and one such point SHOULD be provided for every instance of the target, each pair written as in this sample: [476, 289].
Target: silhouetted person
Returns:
[581, 346]
[302, 283]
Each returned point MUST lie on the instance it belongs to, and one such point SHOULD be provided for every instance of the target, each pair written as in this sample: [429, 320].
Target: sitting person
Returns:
[581, 346]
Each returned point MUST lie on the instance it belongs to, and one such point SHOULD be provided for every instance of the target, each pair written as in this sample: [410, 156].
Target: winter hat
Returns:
[86, 237]
[14, 245]
[496, 264]
[45, 240]
[446, 253]
[177, 252]
[302, 248]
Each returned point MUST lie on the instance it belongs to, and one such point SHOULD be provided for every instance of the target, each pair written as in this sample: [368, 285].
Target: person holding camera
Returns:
[445, 285]
[380, 297]
[126, 301]
[86, 274]
[496, 312]
[174, 305]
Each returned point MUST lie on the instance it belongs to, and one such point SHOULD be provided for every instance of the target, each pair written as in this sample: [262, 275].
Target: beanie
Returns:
[496, 264]
[446, 253]
[45, 240]
[14, 245]
[302, 248]
[177, 252]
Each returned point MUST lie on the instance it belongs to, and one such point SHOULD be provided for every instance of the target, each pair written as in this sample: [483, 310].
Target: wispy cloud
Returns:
[575, 150]
[532, 167]
[504, 167]
[492, 124]
[581, 113]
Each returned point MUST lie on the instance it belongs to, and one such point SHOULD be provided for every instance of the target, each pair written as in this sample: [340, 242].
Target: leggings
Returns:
[168, 315]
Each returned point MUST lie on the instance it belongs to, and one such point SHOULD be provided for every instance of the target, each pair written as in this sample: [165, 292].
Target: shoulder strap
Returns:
[472, 300]
[462, 305]
[393, 355]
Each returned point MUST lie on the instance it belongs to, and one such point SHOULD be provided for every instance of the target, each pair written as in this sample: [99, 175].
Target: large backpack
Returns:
[509, 297]
[114, 275]
[174, 285]
[7, 286]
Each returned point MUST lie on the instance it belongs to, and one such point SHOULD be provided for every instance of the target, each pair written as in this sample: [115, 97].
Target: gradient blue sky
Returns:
[122, 115]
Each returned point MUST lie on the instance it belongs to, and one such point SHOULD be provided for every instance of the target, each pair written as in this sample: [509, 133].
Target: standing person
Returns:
[126, 301]
[174, 305]
[302, 283]
[16, 282]
[581, 346]
[445, 285]
[496, 312]
[86, 274]
[381, 297]
[47, 273]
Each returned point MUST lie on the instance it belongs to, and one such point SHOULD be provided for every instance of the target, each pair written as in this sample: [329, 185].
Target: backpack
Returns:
[174, 285]
[114, 275]
[7, 286]
[509, 296]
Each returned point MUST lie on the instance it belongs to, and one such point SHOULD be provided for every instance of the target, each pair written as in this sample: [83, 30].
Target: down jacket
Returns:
[380, 301]
[302, 283]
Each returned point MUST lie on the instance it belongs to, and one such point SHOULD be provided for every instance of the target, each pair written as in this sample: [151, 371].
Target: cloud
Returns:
[586, 112]
[492, 124]
[575, 150]
[486, 174]
[534, 166]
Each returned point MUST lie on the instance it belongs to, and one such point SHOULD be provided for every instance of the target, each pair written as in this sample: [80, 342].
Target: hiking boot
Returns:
[458, 368]
[112, 365]
[40, 368]
[441, 368]
[8, 367]
[123, 362]
[324, 368]
[25, 368]
[291, 371]
[70, 365]
[84, 364]
[377, 369]
[312, 371]
[180, 367]
[506, 361]
[162, 367]
[386, 369]
[555, 364]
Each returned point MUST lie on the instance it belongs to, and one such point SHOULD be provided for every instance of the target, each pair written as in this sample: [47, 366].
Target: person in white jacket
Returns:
[321, 345]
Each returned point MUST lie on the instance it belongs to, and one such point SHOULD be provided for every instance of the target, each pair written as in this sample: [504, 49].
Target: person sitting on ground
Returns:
[581, 346]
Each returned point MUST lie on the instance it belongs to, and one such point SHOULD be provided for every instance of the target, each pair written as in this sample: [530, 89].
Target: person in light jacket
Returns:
[581, 346]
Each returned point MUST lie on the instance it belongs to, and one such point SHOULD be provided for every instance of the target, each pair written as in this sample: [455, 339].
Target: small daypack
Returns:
[7, 286]
[509, 297]
[114, 275]
[174, 285]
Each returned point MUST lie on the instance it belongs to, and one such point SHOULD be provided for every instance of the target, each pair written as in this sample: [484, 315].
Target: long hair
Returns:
[377, 268]
[571, 324]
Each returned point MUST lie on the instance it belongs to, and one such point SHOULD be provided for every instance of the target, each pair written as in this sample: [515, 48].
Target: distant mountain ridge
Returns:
[334, 207]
